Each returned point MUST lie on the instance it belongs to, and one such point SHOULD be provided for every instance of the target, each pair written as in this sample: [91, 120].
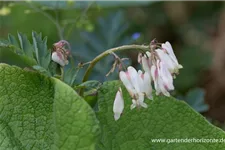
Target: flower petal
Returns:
[167, 46]
[167, 60]
[134, 104]
[146, 64]
[140, 101]
[166, 77]
[118, 105]
[147, 86]
[135, 79]
[59, 58]
[124, 77]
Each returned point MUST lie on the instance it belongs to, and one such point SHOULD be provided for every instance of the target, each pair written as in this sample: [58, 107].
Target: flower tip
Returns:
[132, 106]
[167, 94]
[180, 66]
[116, 116]
[167, 42]
[144, 105]
[150, 97]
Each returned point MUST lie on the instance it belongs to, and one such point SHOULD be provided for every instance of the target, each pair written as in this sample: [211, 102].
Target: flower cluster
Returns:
[60, 54]
[160, 65]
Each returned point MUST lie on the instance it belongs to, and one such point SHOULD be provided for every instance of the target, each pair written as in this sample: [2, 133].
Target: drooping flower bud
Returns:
[167, 46]
[118, 104]
[163, 81]
[138, 85]
[164, 57]
[147, 88]
[60, 54]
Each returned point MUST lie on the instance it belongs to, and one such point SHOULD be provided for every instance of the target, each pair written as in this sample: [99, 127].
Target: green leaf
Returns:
[4, 43]
[42, 113]
[13, 41]
[165, 118]
[41, 70]
[43, 55]
[7, 55]
[70, 74]
[91, 84]
[25, 45]
[90, 89]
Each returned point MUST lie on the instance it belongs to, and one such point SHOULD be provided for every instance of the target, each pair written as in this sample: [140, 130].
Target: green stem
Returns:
[109, 51]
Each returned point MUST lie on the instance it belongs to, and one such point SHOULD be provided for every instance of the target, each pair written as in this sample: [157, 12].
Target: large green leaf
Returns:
[165, 118]
[43, 113]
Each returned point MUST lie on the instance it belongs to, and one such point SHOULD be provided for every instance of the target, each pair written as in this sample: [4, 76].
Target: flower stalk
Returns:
[109, 51]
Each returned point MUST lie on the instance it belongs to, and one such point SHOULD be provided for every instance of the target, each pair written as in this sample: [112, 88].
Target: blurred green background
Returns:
[196, 31]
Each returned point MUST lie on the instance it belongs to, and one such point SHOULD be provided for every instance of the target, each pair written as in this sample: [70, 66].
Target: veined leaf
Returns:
[165, 118]
[42, 113]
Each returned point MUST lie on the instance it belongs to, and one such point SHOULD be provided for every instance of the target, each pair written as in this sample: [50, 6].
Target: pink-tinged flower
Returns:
[163, 81]
[146, 63]
[147, 88]
[173, 66]
[137, 84]
[59, 58]
[118, 105]
[167, 60]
